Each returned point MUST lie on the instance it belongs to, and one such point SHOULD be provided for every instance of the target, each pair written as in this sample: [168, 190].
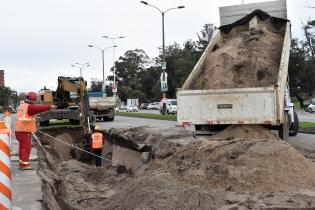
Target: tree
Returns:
[310, 38]
[129, 69]
[301, 72]
[180, 61]
[205, 36]
[5, 95]
[96, 85]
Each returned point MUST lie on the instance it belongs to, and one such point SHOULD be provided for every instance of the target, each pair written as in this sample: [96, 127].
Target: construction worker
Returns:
[96, 143]
[26, 125]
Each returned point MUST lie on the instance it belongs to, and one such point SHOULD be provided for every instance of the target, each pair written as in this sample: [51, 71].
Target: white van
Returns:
[171, 105]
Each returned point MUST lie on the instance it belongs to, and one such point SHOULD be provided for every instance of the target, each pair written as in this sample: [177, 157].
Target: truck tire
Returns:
[294, 129]
[283, 130]
[44, 123]
[74, 122]
[105, 119]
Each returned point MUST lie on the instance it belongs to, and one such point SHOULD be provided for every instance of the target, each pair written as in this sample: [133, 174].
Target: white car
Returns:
[132, 108]
[311, 107]
[153, 106]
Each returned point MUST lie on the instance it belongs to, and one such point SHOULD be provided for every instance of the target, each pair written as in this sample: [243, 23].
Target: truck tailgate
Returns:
[228, 106]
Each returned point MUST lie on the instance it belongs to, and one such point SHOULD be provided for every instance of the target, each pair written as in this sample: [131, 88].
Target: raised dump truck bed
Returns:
[241, 78]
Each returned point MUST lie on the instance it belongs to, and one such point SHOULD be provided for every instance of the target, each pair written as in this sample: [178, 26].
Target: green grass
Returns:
[307, 126]
[147, 115]
[296, 104]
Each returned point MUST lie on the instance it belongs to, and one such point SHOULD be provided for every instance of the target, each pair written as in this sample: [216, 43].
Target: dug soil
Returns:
[243, 58]
[244, 172]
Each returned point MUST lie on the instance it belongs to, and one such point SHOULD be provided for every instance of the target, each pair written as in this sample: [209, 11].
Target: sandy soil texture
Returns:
[187, 173]
[244, 58]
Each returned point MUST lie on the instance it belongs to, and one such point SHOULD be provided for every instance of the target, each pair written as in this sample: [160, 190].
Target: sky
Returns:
[41, 39]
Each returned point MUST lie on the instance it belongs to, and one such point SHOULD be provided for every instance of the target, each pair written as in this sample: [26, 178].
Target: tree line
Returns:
[138, 75]
[302, 65]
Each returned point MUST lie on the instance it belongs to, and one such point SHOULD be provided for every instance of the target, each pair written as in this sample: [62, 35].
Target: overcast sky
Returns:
[40, 39]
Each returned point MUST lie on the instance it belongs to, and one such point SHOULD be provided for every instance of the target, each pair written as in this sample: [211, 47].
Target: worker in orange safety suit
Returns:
[96, 143]
[25, 126]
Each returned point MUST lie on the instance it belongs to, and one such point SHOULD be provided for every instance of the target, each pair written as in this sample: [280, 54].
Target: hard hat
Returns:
[97, 128]
[31, 96]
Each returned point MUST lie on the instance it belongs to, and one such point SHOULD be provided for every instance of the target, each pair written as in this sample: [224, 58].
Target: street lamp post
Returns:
[114, 38]
[164, 111]
[80, 66]
[102, 50]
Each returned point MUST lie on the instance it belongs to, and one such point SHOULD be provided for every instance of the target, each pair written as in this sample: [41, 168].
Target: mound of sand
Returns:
[204, 174]
[244, 58]
[247, 132]
[255, 163]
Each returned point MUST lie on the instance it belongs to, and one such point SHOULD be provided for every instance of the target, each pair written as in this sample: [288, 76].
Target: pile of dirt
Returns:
[204, 174]
[246, 132]
[243, 166]
[244, 58]
[69, 135]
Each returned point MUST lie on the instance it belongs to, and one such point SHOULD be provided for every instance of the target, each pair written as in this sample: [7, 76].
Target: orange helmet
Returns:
[32, 96]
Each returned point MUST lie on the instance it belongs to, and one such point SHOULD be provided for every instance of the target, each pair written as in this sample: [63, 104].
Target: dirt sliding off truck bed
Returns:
[241, 78]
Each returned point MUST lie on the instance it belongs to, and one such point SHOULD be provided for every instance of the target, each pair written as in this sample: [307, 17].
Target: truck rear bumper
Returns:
[228, 106]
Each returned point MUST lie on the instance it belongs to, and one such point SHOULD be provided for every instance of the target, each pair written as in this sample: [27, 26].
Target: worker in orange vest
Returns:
[25, 126]
[96, 143]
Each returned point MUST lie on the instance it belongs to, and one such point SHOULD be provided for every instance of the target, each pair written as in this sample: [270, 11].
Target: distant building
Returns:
[1, 78]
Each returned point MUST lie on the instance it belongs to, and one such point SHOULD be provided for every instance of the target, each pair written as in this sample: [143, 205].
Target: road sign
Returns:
[114, 88]
[164, 65]
[164, 87]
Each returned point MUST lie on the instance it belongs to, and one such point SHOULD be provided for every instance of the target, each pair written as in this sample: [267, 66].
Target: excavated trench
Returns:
[244, 167]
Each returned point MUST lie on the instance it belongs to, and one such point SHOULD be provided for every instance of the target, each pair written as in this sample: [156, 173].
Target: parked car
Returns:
[171, 106]
[311, 107]
[153, 106]
[144, 106]
[132, 108]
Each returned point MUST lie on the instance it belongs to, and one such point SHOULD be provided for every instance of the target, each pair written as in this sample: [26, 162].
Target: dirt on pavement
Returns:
[187, 173]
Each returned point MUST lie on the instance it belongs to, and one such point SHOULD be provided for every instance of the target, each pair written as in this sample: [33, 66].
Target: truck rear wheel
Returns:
[283, 131]
[44, 123]
[294, 128]
[74, 122]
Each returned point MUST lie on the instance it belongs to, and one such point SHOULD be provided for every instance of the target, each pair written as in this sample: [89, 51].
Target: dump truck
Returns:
[242, 76]
[103, 107]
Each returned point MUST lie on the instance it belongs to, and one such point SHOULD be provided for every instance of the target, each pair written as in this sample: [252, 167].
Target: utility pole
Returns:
[114, 69]
[103, 65]
[163, 77]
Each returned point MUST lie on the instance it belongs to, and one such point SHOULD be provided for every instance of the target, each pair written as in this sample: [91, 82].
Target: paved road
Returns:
[305, 116]
[129, 122]
[146, 111]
